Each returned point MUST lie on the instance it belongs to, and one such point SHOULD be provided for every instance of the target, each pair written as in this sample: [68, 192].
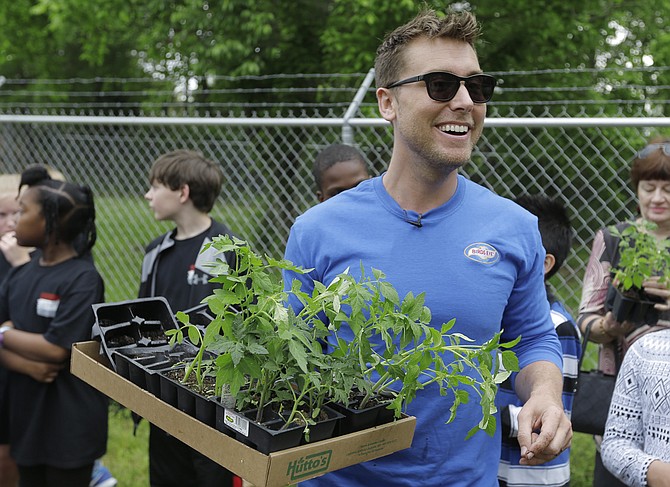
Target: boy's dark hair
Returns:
[68, 209]
[554, 225]
[333, 154]
[203, 176]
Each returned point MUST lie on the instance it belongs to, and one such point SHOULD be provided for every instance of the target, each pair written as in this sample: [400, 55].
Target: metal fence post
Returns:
[347, 131]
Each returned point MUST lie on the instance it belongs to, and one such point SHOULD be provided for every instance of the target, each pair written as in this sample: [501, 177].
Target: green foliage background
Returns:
[108, 40]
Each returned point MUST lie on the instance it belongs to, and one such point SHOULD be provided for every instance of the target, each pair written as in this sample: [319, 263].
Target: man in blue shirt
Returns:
[478, 257]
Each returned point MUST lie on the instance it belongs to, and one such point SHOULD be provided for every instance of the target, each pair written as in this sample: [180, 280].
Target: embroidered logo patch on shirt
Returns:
[47, 305]
[195, 278]
[482, 253]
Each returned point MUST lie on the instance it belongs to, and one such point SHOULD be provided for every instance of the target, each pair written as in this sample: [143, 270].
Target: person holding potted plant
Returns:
[478, 257]
[650, 178]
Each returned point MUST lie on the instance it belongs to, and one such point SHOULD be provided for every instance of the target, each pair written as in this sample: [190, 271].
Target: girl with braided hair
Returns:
[57, 423]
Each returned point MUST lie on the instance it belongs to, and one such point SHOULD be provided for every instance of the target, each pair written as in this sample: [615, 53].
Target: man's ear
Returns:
[319, 196]
[386, 104]
[549, 262]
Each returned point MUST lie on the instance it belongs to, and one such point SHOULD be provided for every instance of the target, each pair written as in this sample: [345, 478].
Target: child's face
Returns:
[31, 226]
[9, 213]
[164, 202]
[340, 177]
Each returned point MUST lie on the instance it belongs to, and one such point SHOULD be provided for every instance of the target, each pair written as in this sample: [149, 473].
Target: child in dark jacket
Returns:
[184, 188]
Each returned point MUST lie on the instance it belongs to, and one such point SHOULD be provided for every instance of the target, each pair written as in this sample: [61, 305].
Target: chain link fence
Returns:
[578, 153]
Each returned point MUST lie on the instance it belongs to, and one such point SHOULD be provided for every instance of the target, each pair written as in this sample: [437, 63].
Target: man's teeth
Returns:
[459, 129]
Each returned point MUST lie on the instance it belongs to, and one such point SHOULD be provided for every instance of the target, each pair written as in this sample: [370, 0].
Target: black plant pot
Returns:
[122, 365]
[267, 436]
[186, 399]
[355, 419]
[163, 361]
[324, 428]
[153, 375]
[135, 324]
[633, 309]
[137, 372]
[132, 364]
[168, 388]
[205, 410]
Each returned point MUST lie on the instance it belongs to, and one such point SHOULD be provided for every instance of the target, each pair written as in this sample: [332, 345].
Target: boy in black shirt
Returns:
[184, 188]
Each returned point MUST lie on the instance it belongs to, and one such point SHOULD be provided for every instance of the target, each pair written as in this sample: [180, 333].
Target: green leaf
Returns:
[510, 361]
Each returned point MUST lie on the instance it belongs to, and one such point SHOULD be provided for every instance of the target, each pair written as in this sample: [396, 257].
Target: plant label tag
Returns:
[236, 422]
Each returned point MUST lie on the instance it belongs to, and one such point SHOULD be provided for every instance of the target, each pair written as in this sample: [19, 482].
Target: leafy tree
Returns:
[211, 40]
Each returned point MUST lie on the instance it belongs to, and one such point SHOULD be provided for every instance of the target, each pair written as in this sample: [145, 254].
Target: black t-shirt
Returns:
[178, 279]
[64, 423]
[4, 266]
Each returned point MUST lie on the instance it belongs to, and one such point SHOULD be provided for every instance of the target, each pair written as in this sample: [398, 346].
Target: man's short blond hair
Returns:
[390, 61]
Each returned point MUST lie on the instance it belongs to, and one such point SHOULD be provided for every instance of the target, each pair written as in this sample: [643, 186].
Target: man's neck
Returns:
[418, 189]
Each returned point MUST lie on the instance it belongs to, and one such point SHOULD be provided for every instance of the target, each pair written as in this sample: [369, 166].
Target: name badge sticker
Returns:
[482, 252]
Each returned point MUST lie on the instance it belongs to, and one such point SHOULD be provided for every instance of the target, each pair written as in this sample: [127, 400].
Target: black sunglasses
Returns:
[442, 86]
[651, 148]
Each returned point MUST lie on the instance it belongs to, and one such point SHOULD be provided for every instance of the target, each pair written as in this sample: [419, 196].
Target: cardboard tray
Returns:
[274, 470]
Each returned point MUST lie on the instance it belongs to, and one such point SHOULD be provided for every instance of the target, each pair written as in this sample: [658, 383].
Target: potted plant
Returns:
[196, 373]
[410, 354]
[641, 256]
[273, 362]
[270, 359]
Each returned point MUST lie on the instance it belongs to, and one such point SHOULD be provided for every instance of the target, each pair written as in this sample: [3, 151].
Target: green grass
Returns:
[127, 455]
[582, 456]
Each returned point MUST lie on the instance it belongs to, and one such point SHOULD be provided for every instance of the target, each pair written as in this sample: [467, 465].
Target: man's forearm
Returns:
[539, 378]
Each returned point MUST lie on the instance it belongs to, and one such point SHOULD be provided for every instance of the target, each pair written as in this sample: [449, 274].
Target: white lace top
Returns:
[638, 425]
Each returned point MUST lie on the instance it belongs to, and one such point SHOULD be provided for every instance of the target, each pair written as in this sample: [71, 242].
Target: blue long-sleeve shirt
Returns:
[479, 259]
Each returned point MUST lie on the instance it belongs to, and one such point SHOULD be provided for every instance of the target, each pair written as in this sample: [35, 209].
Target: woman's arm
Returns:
[658, 474]
[39, 371]
[33, 346]
[623, 447]
[597, 278]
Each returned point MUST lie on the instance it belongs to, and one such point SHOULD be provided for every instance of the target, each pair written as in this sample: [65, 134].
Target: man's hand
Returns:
[544, 430]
